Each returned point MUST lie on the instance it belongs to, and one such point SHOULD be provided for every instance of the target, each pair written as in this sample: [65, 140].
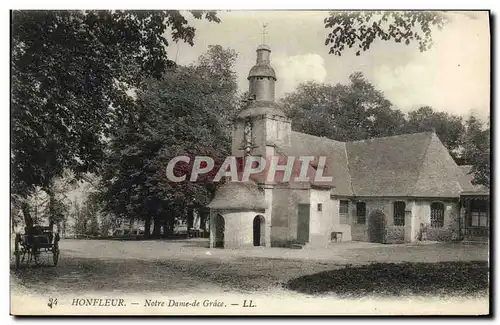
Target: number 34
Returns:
[52, 302]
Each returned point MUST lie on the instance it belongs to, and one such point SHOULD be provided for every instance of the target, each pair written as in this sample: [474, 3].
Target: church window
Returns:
[344, 211]
[437, 215]
[361, 213]
[478, 213]
[320, 206]
[399, 213]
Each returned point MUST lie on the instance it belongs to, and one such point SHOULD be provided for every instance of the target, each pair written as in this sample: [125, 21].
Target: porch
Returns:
[475, 216]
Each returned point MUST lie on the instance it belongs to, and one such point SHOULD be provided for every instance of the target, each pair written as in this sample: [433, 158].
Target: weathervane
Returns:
[264, 26]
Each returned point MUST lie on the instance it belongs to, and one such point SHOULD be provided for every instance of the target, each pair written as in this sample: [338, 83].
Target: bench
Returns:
[196, 233]
[336, 235]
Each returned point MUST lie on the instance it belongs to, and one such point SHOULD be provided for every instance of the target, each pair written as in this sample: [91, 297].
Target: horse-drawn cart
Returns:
[30, 246]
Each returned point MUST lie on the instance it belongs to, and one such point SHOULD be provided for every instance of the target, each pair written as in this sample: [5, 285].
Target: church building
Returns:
[398, 189]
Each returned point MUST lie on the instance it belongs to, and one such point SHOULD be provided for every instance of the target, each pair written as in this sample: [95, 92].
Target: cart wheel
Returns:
[55, 254]
[17, 253]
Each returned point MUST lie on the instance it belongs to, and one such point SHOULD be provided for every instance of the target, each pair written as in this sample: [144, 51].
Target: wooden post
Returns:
[468, 217]
[190, 219]
[212, 229]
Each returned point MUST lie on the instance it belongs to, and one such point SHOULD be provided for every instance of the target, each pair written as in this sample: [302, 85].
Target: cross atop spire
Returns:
[264, 33]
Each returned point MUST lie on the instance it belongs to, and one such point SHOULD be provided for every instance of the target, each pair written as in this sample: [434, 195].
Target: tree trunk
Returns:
[28, 220]
[157, 227]
[163, 223]
[170, 225]
[203, 219]
[190, 220]
[147, 227]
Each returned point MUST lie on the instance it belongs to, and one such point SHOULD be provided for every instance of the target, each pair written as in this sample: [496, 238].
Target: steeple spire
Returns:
[264, 33]
[262, 76]
[261, 124]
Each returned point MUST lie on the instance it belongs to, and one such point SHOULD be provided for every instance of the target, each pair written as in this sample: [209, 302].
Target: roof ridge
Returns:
[394, 136]
[315, 136]
[422, 164]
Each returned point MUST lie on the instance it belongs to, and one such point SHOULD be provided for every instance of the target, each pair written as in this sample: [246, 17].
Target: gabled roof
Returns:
[408, 165]
[336, 158]
[466, 181]
[239, 196]
[388, 166]
[412, 165]
[439, 174]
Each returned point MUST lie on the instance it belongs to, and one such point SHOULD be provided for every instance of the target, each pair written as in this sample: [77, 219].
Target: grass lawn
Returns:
[404, 279]
[188, 266]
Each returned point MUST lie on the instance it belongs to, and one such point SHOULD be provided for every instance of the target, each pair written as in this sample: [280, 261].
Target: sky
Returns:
[453, 76]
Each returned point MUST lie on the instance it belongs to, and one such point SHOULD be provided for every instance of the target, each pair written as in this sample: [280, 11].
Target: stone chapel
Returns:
[395, 189]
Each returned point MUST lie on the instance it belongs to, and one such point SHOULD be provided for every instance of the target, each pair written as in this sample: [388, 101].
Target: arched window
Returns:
[437, 215]
[399, 213]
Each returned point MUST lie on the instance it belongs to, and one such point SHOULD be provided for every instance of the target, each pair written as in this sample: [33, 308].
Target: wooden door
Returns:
[303, 223]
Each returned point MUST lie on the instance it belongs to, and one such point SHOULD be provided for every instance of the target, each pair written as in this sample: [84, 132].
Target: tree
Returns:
[106, 224]
[70, 73]
[477, 150]
[473, 128]
[56, 211]
[343, 112]
[185, 113]
[360, 29]
[480, 160]
[79, 219]
[449, 128]
[359, 111]
[216, 67]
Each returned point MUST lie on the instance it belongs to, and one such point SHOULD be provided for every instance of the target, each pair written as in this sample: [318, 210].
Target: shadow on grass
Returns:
[80, 275]
[202, 244]
[132, 238]
[444, 278]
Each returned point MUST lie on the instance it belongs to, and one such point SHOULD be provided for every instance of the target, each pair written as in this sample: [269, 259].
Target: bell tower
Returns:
[262, 77]
[261, 125]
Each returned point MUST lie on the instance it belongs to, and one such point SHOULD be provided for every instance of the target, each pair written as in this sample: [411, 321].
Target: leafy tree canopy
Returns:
[359, 111]
[70, 74]
[359, 29]
[343, 112]
[477, 150]
[184, 113]
[448, 127]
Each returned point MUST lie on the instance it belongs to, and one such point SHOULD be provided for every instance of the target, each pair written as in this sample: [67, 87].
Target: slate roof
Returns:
[336, 158]
[262, 69]
[411, 165]
[388, 166]
[239, 195]
[466, 181]
[408, 165]
[260, 107]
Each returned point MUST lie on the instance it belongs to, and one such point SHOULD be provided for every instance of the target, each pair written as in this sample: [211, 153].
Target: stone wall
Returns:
[323, 222]
[284, 214]
[238, 228]
[394, 234]
[418, 212]
[451, 214]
